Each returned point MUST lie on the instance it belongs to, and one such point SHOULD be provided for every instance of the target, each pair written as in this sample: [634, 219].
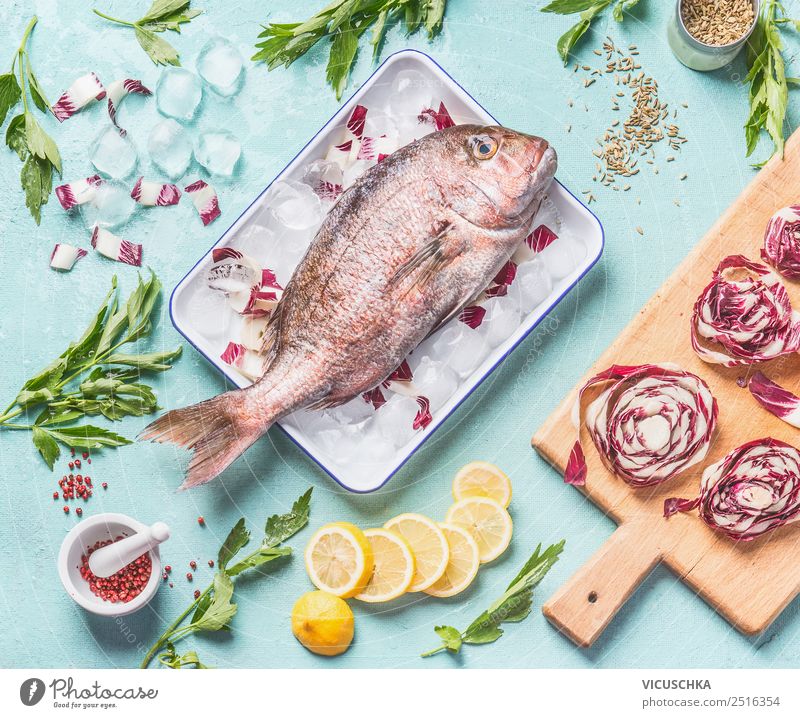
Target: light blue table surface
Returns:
[504, 54]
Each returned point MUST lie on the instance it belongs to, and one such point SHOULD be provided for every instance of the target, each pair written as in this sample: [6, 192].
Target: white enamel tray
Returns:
[208, 323]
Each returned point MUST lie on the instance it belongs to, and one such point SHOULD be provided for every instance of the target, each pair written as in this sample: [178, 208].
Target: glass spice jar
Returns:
[698, 55]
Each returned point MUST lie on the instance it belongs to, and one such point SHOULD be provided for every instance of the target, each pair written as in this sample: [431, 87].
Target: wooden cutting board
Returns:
[748, 583]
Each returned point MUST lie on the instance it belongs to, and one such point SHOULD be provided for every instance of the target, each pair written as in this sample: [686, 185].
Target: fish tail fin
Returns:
[217, 431]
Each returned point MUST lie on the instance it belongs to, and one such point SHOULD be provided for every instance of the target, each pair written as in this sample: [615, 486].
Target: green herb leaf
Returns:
[342, 57]
[163, 15]
[87, 437]
[9, 94]
[37, 93]
[221, 610]
[451, 637]
[513, 606]
[284, 526]
[159, 50]
[567, 7]
[37, 396]
[153, 361]
[40, 143]
[36, 178]
[622, 7]
[47, 446]
[171, 659]
[344, 22]
[258, 558]
[163, 8]
[238, 537]
[769, 90]
[434, 16]
[174, 22]
[15, 137]
[567, 41]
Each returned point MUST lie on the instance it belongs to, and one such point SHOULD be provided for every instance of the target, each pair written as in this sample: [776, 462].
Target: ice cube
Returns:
[220, 65]
[458, 346]
[325, 178]
[532, 285]
[210, 315]
[395, 419]
[113, 154]
[353, 412]
[218, 152]
[562, 256]
[410, 94]
[435, 380]
[178, 93]
[354, 171]
[295, 206]
[373, 448]
[111, 206]
[501, 319]
[378, 125]
[170, 148]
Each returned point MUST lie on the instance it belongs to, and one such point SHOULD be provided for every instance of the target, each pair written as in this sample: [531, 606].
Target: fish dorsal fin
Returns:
[429, 258]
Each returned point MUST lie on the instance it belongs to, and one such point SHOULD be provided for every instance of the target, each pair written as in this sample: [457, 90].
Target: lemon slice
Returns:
[487, 521]
[462, 566]
[394, 566]
[339, 559]
[480, 478]
[429, 545]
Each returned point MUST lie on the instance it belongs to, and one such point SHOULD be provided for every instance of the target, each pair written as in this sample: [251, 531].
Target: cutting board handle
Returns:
[585, 605]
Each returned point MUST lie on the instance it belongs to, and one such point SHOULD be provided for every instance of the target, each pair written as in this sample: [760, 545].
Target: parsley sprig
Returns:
[513, 606]
[344, 22]
[36, 150]
[769, 86]
[162, 15]
[93, 376]
[589, 10]
[214, 609]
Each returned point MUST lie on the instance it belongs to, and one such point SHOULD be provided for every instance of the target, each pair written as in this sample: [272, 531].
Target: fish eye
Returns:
[484, 147]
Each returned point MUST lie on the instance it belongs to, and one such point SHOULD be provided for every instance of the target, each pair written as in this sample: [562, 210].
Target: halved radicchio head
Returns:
[744, 316]
[651, 423]
[782, 241]
[751, 491]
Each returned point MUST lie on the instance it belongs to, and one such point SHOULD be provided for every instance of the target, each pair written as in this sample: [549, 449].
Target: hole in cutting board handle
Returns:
[592, 597]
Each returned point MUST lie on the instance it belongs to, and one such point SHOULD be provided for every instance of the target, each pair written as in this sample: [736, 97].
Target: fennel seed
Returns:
[717, 22]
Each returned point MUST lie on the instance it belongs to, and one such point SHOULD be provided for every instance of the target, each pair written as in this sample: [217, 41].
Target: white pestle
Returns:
[108, 560]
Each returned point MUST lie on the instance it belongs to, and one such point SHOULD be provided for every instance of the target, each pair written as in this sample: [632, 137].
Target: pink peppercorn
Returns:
[197, 594]
[193, 564]
[211, 563]
[188, 576]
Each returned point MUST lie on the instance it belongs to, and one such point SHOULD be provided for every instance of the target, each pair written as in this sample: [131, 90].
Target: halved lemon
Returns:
[487, 521]
[429, 545]
[480, 478]
[462, 566]
[394, 566]
[339, 559]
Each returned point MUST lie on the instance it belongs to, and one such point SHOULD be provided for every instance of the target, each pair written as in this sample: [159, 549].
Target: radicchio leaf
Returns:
[782, 241]
[748, 316]
[751, 491]
[653, 422]
[775, 399]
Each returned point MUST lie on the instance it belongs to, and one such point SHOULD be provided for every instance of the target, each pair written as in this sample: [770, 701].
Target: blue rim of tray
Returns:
[480, 381]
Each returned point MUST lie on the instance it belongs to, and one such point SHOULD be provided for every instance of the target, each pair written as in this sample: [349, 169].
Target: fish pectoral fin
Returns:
[429, 259]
